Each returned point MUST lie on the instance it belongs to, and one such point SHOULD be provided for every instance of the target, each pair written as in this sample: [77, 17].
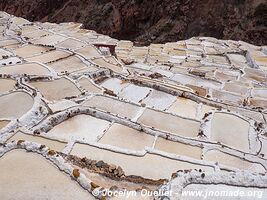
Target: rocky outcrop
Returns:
[156, 21]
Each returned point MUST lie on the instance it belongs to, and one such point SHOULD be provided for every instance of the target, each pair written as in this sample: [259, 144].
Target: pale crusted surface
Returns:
[151, 111]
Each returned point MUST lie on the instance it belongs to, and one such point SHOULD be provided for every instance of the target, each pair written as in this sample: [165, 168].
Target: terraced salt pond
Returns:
[230, 130]
[89, 52]
[82, 127]
[124, 137]
[71, 44]
[184, 107]
[105, 64]
[49, 40]
[178, 148]
[114, 84]
[28, 68]
[173, 124]
[42, 181]
[36, 34]
[49, 56]
[15, 104]
[229, 160]
[70, 64]
[52, 144]
[159, 100]
[134, 93]
[113, 106]
[56, 89]
[29, 50]
[150, 166]
[87, 84]
[153, 110]
[61, 105]
[7, 85]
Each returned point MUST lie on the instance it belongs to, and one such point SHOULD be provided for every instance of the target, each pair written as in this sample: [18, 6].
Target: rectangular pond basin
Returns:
[170, 123]
[114, 106]
[127, 138]
[232, 161]
[49, 56]
[28, 68]
[71, 44]
[105, 64]
[69, 64]
[114, 84]
[230, 130]
[159, 100]
[178, 148]
[184, 107]
[30, 50]
[89, 52]
[49, 40]
[83, 127]
[36, 34]
[150, 166]
[56, 89]
[134, 93]
[86, 84]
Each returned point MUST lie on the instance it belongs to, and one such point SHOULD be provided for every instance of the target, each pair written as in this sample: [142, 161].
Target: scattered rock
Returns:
[94, 185]
[101, 164]
[109, 92]
[76, 173]
[42, 146]
[20, 142]
[112, 168]
[155, 75]
[51, 152]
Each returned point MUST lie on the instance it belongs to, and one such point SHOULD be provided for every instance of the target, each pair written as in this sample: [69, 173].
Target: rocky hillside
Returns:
[157, 21]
